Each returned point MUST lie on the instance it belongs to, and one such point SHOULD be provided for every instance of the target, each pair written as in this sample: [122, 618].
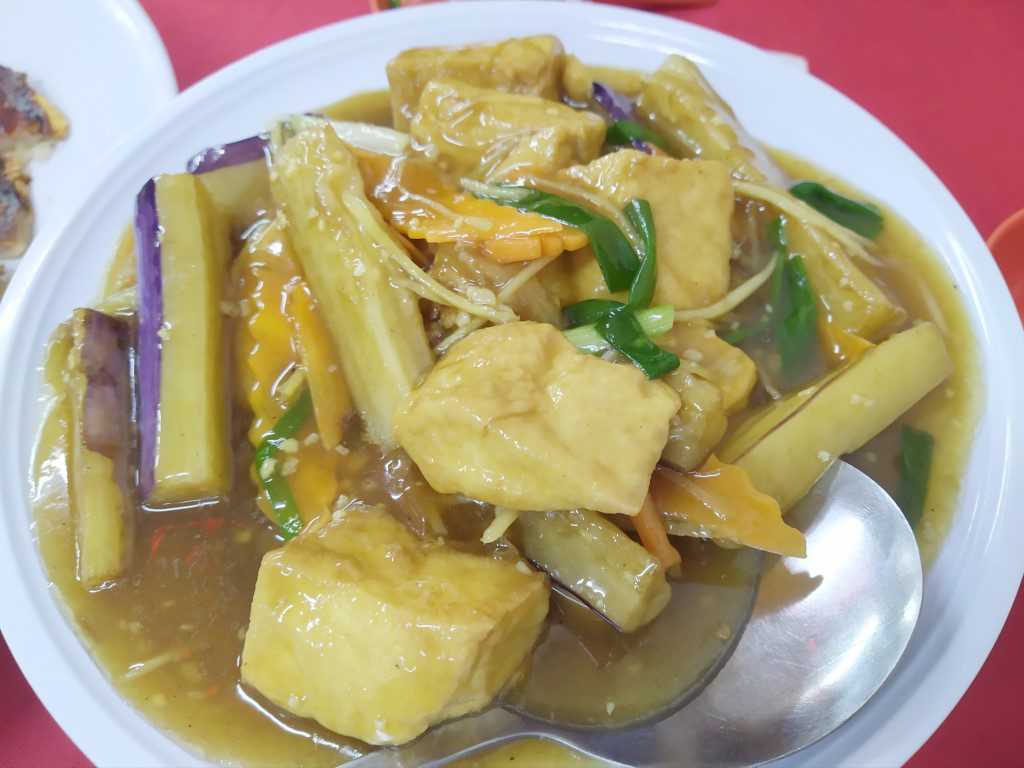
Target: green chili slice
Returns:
[625, 132]
[282, 502]
[916, 449]
[863, 218]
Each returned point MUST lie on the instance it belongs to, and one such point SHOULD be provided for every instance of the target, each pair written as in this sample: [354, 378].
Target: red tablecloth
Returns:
[946, 75]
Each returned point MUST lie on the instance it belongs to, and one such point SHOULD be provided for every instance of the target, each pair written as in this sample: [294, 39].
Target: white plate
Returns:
[102, 63]
[973, 582]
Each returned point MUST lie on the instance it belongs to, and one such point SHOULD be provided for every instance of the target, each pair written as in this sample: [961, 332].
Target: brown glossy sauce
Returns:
[170, 631]
[915, 276]
[586, 672]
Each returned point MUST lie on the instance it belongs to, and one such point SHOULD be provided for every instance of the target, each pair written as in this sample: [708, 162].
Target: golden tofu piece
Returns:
[493, 135]
[530, 65]
[514, 415]
[728, 368]
[378, 635]
[692, 205]
[465, 269]
[575, 276]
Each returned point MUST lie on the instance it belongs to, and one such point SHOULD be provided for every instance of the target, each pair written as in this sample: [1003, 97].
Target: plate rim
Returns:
[965, 242]
[160, 62]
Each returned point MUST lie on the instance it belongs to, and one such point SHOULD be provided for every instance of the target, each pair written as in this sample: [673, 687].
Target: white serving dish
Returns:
[969, 589]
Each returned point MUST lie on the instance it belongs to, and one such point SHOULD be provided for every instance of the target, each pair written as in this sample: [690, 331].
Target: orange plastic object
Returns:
[1007, 245]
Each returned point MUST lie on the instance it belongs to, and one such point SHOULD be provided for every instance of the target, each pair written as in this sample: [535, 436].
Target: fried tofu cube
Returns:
[721, 387]
[378, 635]
[464, 268]
[514, 415]
[530, 65]
[490, 134]
[692, 205]
[728, 368]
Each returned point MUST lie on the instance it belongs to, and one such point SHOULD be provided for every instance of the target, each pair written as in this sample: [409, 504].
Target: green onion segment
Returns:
[623, 331]
[589, 311]
[916, 449]
[595, 321]
[653, 321]
[794, 312]
[627, 327]
[625, 132]
[282, 502]
[863, 218]
[738, 335]
[641, 291]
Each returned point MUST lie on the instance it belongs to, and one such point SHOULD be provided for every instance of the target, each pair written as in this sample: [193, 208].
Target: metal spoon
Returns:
[825, 633]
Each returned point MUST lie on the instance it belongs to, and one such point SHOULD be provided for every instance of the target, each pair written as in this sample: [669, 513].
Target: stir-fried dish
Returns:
[490, 388]
[29, 126]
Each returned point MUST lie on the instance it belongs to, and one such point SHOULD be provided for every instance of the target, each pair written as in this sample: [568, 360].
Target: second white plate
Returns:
[102, 63]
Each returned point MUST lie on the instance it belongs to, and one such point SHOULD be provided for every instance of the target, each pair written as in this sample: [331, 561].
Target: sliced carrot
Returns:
[279, 331]
[840, 345]
[718, 501]
[331, 398]
[422, 205]
[651, 529]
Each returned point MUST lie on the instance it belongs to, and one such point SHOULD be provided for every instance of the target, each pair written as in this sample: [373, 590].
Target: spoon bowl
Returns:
[825, 634]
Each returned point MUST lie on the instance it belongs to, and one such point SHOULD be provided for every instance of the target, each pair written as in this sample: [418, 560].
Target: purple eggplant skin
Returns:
[151, 319]
[614, 103]
[619, 108]
[104, 356]
[250, 150]
[236, 176]
[570, 594]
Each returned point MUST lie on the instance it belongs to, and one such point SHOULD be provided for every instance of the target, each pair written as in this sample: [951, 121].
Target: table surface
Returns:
[946, 75]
